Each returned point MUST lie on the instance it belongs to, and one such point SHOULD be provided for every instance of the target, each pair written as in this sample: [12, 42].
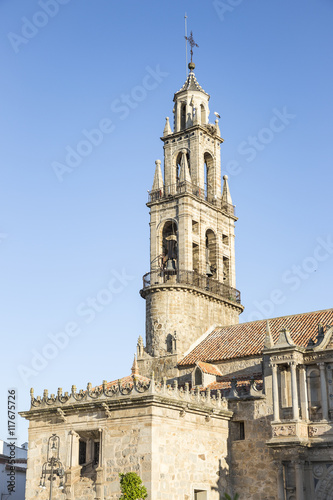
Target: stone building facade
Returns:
[212, 406]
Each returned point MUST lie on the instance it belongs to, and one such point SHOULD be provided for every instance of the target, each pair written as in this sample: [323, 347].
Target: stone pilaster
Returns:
[303, 393]
[276, 404]
[294, 390]
[323, 389]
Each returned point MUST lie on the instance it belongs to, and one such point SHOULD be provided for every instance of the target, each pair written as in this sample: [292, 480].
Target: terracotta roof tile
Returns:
[209, 368]
[247, 339]
[243, 382]
[127, 380]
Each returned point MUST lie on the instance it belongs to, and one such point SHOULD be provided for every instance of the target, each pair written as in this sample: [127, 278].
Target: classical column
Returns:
[299, 480]
[323, 389]
[303, 393]
[276, 405]
[294, 390]
[100, 470]
[281, 490]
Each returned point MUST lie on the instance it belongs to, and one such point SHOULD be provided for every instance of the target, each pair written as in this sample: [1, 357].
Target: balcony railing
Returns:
[191, 278]
[187, 187]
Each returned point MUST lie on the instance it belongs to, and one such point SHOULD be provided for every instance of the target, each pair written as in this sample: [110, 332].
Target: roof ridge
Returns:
[271, 319]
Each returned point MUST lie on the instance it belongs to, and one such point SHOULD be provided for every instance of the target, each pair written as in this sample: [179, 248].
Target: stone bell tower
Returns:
[191, 283]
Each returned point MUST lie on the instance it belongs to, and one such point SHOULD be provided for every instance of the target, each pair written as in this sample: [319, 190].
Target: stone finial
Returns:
[135, 367]
[167, 129]
[226, 196]
[321, 333]
[140, 347]
[268, 338]
[158, 178]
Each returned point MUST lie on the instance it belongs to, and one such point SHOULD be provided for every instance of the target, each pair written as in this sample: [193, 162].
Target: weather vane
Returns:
[192, 43]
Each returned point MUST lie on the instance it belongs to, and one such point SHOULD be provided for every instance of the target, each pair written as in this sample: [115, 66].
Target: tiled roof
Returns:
[247, 339]
[127, 380]
[208, 368]
[191, 83]
[242, 381]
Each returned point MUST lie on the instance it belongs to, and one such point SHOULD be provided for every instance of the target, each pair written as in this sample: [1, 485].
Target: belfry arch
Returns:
[203, 115]
[178, 158]
[209, 175]
[169, 250]
[211, 253]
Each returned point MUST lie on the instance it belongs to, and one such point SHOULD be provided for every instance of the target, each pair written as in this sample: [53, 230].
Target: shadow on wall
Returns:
[222, 484]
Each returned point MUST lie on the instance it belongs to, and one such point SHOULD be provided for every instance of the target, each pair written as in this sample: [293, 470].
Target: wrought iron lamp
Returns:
[52, 468]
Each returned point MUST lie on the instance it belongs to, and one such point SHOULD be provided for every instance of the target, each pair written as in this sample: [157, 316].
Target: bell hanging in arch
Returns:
[208, 270]
[170, 266]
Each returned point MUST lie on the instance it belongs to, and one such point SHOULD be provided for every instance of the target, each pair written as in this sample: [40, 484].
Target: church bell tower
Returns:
[191, 283]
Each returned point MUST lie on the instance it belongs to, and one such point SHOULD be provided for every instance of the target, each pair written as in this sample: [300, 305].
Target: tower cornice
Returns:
[185, 132]
[228, 211]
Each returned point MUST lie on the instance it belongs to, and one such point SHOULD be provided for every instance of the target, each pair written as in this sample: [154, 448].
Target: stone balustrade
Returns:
[141, 386]
[137, 387]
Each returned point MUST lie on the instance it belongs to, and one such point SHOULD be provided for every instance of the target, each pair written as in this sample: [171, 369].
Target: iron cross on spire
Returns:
[192, 43]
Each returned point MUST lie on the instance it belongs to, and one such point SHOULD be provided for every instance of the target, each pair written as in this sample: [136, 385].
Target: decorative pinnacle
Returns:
[135, 367]
[192, 43]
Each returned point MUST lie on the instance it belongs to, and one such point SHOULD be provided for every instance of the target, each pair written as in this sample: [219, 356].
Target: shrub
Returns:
[228, 497]
[132, 487]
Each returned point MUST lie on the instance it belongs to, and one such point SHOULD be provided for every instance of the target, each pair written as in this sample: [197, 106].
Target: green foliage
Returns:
[132, 487]
[228, 497]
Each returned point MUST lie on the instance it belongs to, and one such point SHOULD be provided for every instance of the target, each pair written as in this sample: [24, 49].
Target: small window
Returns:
[225, 239]
[237, 431]
[200, 495]
[198, 377]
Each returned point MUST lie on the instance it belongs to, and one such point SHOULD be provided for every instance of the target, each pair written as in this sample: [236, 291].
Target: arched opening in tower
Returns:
[211, 253]
[170, 247]
[183, 116]
[178, 165]
[203, 114]
[209, 177]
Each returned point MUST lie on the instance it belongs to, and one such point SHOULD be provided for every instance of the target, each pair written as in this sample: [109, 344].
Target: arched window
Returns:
[209, 177]
[178, 161]
[203, 114]
[183, 116]
[211, 252]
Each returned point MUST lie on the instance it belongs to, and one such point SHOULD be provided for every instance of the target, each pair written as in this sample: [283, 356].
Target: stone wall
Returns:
[185, 311]
[252, 465]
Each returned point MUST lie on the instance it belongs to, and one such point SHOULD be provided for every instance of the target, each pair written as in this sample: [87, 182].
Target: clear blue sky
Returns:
[61, 243]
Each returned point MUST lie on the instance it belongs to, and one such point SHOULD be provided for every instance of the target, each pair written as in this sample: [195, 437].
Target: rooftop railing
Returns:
[187, 187]
[192, 278]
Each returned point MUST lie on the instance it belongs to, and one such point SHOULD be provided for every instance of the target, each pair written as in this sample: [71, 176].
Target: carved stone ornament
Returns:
[318, 431]
[284, 430]
[317, 356]
[282, 357]
[318, 470]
